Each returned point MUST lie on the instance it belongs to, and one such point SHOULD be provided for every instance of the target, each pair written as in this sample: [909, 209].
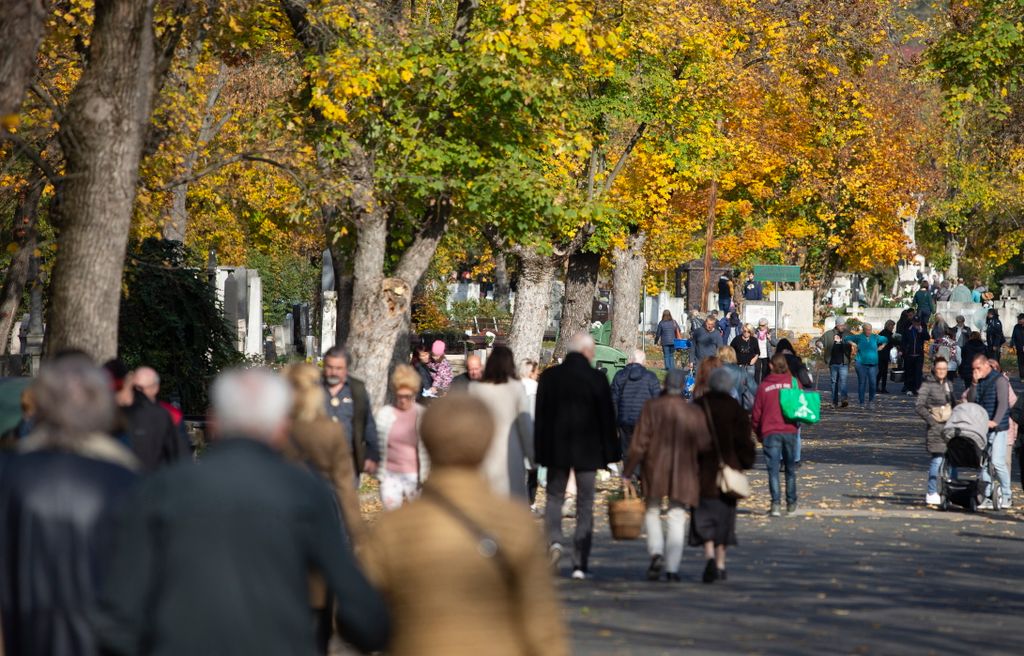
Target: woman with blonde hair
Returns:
[403, 461]
[320, 444]
[317, 441]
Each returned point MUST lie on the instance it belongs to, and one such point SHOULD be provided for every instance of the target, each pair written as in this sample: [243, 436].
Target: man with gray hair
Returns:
[632, 387]
[574, 430]
[233, 541]
[56, 496]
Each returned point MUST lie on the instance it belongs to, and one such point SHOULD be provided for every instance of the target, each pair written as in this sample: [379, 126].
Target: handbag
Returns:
[800, 405]
[941, 413]
[730, 481]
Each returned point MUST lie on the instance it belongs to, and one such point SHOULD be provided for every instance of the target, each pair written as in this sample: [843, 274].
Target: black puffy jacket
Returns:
[631, 388]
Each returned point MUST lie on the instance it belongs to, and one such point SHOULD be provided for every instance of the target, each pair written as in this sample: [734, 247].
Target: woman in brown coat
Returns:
[668, 436]
[319, 443]
[464, 569]
[713, 523]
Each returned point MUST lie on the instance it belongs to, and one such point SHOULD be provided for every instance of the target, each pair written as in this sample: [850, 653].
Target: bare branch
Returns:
[23, 147]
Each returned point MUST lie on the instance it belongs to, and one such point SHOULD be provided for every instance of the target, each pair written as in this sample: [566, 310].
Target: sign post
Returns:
[776, 273]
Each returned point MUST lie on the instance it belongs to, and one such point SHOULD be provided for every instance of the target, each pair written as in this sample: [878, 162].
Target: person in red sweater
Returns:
[777, 436]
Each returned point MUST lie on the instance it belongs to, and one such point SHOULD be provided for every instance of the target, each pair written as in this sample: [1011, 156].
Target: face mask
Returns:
[332, 380]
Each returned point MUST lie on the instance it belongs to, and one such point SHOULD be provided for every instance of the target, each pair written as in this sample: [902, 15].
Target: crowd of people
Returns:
[125, 545]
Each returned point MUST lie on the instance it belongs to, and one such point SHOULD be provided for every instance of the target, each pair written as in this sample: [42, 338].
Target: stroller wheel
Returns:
[943, 503]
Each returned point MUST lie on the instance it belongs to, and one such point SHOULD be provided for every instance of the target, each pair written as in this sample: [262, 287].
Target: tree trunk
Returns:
[21, 32]
[102, 136]
[343, 282]
[501, 284]
[578, 303]
[627, 289]
[25, 237]
[533, 304]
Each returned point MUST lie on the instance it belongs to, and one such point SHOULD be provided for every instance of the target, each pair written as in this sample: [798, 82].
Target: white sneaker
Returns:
[1006, 504]
[933, 499]
[985, 505]
[579, 575]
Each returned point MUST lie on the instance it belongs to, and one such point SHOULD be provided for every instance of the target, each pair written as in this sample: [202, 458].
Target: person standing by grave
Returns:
[574, 431]
[869, 345]
[836, 352]
[348, 403]
[752, 290]
[961, 293]
[994, 335]
[1017, 343]
[925, 303]
[666, 335]
[885, 356]
[725, 294]
[913, 345]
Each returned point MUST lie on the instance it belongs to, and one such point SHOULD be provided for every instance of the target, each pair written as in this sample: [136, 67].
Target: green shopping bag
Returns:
[800, 405]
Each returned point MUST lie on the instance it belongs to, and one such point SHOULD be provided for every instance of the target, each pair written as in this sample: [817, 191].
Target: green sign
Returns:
[776, 273]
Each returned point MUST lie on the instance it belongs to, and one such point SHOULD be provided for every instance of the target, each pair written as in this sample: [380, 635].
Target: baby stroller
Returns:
[967, 452]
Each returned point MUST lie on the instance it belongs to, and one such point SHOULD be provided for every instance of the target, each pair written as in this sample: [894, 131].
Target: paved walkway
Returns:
[865, 568]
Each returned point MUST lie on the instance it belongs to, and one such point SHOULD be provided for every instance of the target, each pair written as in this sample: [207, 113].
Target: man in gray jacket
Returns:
[632, 387]
[705, 342]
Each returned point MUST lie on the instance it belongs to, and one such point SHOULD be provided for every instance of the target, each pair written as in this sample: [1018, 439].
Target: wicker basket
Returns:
[626, 515]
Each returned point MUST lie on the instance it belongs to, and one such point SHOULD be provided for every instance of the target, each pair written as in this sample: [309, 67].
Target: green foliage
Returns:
[170, 320]
[463, 312]
[287, 278]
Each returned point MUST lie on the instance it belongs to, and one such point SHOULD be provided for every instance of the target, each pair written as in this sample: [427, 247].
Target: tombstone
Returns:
[327, 272]
[229, 298]
[278, 335]
[15, 345]
[328, 321]
[254, 315]
[300, 317]
[269, 353]
[289, 333]
[309, 346]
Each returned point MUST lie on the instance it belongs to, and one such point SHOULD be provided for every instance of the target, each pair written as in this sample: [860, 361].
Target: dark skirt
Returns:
[713, 520]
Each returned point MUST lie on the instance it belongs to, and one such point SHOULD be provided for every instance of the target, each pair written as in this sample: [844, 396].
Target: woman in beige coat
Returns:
[464, 570]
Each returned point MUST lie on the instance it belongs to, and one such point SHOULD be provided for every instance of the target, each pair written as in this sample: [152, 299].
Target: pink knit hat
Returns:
[437, 348]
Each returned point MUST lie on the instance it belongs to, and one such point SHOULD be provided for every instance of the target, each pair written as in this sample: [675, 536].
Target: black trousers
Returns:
[883, 372]
[1020, 363]
[913, 371]
[584, 536]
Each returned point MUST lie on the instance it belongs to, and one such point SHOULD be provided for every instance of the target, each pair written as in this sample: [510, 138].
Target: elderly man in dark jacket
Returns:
[574, 430]
[56, 499]
[632, 387]
[215, 558]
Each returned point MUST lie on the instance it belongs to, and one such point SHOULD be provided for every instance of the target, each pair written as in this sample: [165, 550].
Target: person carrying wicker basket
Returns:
[666, 442]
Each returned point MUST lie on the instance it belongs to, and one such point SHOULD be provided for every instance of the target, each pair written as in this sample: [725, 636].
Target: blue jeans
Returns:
[670, 357]
[867, 378]
[839, 373]
[997, 440]
[779, 448]
[933, 473]
[723, 305]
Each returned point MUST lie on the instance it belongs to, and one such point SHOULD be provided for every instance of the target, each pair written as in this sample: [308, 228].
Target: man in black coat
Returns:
[215, 558]
[147, 427]
[57, 495]
[1017, 342]
[574, 431]
[632, 387]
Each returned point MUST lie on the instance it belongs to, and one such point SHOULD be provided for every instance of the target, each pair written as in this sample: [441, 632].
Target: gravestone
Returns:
[328, 321]
[254, 315]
